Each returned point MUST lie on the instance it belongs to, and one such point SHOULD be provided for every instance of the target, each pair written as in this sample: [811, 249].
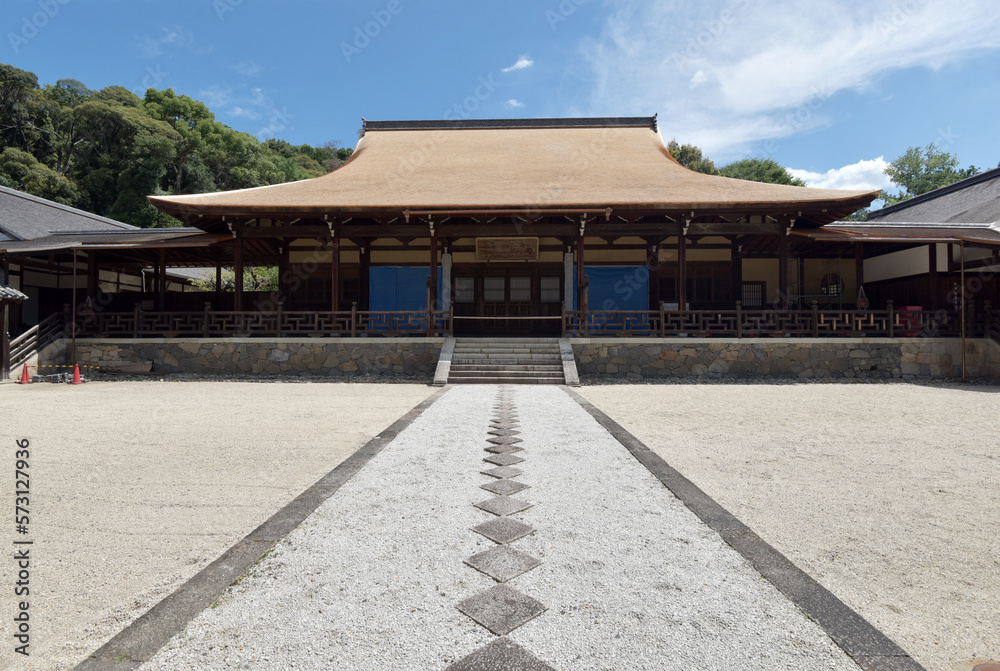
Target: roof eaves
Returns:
[937, 193]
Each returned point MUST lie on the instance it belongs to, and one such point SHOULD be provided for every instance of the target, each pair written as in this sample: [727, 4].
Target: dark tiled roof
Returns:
[9, 294]
[25, 217]
[974, 200]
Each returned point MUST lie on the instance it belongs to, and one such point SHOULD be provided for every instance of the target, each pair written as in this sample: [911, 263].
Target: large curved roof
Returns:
[534, 164]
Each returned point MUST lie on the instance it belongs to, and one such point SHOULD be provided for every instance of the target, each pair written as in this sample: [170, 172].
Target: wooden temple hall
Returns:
[507, 227]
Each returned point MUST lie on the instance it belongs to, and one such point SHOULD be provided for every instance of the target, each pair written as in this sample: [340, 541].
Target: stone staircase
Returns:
[505, 361]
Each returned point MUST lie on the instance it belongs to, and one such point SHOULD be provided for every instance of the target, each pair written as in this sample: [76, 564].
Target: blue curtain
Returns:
[616, 287]
[392, 288]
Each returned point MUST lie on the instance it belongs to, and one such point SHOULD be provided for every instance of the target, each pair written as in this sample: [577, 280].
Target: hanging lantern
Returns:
[862, 299]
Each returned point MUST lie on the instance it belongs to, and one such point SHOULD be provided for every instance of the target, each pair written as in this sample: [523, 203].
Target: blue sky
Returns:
[831, 89]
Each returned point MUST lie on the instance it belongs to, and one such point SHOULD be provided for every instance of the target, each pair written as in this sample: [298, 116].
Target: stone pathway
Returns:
[580, 559]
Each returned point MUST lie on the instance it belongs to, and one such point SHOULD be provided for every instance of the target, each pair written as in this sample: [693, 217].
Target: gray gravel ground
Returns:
[884, 493]
[136, 486]
[631, 578]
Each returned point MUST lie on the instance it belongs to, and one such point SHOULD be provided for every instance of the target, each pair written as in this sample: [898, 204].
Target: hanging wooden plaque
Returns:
[507, 249]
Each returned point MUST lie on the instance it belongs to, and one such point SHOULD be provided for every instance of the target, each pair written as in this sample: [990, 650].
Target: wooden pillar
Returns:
[859, 264]
[932, 276]
[218, 281]
[93, 276]
[334, 273]
[783, 268]
[285, 245]
[682, 274]
[4, 343]
[736, 271]
[161, 284]
[364, 273]
[581, 276]
[653, 262]
[433, 279]
[238, 274]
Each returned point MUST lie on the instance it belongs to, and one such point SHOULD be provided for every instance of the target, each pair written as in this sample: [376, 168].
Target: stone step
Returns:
[504, 356]
[501, 341]
[548, 352]
[508, 380]
[504, 373]
[547, 368]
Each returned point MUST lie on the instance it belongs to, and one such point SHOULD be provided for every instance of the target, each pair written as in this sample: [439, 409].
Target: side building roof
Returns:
[974, 200]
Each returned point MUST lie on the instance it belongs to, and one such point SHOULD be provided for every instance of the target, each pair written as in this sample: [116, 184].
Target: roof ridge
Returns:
[940, 191]
[65, 208]
[552, 122]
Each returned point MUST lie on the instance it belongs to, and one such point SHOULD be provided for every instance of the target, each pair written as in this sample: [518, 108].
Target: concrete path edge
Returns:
[866, 645]
[138, 642]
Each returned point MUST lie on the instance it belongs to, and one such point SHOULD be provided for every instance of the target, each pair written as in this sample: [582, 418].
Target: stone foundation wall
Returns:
[863, 359]
[327, 357]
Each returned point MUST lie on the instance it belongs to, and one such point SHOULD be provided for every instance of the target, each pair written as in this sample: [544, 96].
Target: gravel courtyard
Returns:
[886, 494]
[136, 486]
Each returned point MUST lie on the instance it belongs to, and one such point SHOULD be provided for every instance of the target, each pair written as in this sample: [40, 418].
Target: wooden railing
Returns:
[740, 323]
[35, 339]
[212, 324]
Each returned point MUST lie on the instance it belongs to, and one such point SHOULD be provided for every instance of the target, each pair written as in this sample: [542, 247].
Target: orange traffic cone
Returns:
[25, 378]
[76, 374]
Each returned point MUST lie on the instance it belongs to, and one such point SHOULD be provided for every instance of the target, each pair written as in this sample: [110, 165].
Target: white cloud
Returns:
[248, 69]
[863, 175]
[238, 111]
[523, 63]
[514, 102]
[727, 73]
[172, 36]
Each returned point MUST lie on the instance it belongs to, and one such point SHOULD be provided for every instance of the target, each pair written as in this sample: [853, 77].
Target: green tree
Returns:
[760, 170]
[263, 278]
[690, 156]
[920, 170]
[21, 170]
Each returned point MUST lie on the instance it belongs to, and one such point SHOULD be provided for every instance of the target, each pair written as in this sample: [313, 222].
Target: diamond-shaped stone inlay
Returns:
[503, 529]
[503, 505]
[504, 487]
[503, 472]
[504, 425]
[503, 449]
[501, 609]
[502, 562]
[504, 440]
[504, 432]
[503, 459]
[501, 654]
